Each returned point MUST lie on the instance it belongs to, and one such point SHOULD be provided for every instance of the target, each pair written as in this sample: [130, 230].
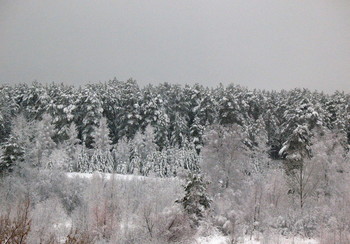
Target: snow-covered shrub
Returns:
[50, 223]
[58, 160]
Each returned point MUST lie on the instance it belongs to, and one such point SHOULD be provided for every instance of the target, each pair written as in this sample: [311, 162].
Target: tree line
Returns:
[176, 115]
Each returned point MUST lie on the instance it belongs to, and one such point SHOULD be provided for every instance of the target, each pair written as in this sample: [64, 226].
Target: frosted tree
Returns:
[71, 144]
[72, 136]
[330, 158]
[145, 142]
[59, 160]
[259, 145]
[102, 159]
[100, 136]
[122, 157]
[223, 155]
[143, 147]
[44, 143]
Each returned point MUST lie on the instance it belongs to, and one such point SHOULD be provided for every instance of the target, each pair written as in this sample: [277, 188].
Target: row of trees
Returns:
[32, 143]
[177, 114]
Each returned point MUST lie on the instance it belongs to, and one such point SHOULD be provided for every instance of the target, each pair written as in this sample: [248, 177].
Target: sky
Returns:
[270, 44]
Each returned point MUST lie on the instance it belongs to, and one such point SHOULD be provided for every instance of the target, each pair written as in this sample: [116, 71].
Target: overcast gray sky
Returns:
[268, 44]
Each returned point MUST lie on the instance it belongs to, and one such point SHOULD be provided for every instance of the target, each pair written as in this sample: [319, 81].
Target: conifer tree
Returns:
[297, 152]
[88, 113]
[196, 200]
[17, 145]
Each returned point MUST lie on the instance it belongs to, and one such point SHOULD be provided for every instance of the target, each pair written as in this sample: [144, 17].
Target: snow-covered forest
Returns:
[115, 162]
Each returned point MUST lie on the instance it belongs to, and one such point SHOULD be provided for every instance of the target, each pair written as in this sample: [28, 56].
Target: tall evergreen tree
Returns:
[18, 143]
[297, 152]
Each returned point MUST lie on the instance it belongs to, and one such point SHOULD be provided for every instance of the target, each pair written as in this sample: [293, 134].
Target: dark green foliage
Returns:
[12, 152]
[196, 200]
[297, 148]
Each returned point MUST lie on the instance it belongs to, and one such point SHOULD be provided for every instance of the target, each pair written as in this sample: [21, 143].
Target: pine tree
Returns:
[162, 130]
[129, 109]
[8, 108]
[12, 152]
[61, 106]
[180, 131]
[17, 145]
[88, 113]
[229, 109]
[297, 152]
[196, 133]
[196, 200]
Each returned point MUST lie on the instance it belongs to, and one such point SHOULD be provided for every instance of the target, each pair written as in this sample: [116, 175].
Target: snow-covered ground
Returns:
[108, 176]
[104, 175]
[215, 239]
[275, 239]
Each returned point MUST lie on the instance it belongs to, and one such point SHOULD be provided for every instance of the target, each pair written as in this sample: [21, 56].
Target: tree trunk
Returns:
[301, 190]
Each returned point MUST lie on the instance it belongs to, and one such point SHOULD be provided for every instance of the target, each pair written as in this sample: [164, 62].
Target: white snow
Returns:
[121, 177]
[277, 239]
[216, 239]
[273, 239]
[104, 175]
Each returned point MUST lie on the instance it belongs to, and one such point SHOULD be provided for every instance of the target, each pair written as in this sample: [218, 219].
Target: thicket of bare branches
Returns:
[15, 224]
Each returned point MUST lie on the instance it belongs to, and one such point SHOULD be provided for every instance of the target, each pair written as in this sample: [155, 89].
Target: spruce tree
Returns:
[196, 200]
[17, 144]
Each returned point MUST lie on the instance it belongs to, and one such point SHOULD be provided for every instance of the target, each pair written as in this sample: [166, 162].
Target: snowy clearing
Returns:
[217, 239]
[121, 177]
